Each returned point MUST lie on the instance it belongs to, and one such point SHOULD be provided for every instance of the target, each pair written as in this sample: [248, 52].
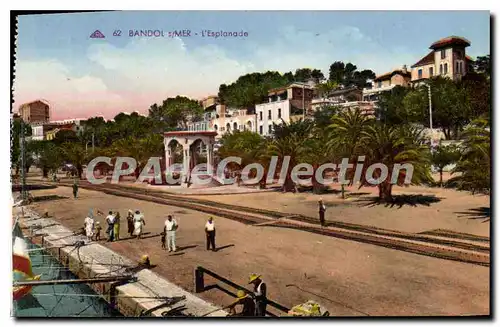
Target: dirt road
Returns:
[370, 279]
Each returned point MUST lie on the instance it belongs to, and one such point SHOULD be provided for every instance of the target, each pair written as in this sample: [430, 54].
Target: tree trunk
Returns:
[441, 177]
[385, 191]
[289, 185]
[342, 190]
[263, 182]
[45, 172]
[315, 184]
[79, 169]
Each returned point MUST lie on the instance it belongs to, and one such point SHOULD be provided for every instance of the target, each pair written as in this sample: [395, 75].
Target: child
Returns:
[98, 231]
[163, 234]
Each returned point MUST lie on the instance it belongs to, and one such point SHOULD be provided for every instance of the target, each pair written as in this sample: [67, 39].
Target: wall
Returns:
[274, 107]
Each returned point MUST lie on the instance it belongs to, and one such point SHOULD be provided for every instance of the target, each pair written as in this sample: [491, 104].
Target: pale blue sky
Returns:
[59, 45]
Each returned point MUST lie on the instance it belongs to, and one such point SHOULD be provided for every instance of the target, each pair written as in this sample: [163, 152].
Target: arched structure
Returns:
[186, 139]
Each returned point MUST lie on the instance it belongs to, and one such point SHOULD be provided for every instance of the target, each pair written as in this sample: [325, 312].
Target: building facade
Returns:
[386, 82]
[447, 58]
[284, 104]
[37, 111]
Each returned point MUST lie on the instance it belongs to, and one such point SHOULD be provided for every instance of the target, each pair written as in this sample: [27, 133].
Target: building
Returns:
[285, 103]
[209, 102]
[47, 131]
[386, 82]
[447, 58]
[37, 111]
[224, 120]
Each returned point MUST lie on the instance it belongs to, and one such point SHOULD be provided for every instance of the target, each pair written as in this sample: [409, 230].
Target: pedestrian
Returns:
[130, 222]
[98, 229]
[75, 189]
[247, 303]
[322, 210]
[116, 227]
[260, 293]
[210, 233]
[89, 225]
[163, 241]
[170, 229]
[139, 223]
[110, 220]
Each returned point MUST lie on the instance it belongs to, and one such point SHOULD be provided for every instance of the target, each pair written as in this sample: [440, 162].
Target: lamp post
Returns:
[430, 113]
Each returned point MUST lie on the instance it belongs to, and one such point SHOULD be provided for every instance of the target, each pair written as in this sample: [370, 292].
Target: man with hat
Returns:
[246, 301]
[322, 209]
[260, 292]
[210, 232]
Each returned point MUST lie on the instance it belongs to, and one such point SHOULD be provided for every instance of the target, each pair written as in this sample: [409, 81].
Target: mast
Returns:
[23, 163]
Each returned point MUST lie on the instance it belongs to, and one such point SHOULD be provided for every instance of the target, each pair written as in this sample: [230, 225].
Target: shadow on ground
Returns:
[401, 200]
[49, 198]
[32, 187]
[476, 213]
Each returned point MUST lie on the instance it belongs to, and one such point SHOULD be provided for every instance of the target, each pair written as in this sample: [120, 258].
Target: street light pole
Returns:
[430, 106]
[303, 101]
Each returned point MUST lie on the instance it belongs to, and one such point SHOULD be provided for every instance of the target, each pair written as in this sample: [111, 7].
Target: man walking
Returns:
[110, 219]
[322, 210]
[210, 232]
[75, 189]
[170, 228]
[260, 293]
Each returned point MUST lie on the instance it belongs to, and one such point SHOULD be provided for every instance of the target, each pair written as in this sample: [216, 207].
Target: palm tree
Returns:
[345, 136]
[475, 162]
[442, 157]
[391, 145]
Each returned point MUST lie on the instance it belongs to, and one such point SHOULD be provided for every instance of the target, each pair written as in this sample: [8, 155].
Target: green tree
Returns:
[65, 136]
[345, 136]
[324, 89]
[391, 145]
[323, 116]
[442, 157]
[391, 109]
[348, 75]
[75, 154]
[49, 157]
[451, 107]
[305, 74]
[482, 65]
[474, 165]
[176, 112]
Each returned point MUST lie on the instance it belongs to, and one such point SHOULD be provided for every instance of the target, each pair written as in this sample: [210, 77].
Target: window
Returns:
[270, 129]
[260, 115]
[441, 69]
[379, 84]
[461, 68]
[279, 113]
[445, 69]
[420, 73]
[443, 54]
[456, 68]
[269, 114]
[431, 71]
[260, 129]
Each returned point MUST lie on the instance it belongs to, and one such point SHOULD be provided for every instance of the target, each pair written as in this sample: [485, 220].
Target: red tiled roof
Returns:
[469, 58]
[389, 74]
[428, 59]
[455, 40]
[188, 133]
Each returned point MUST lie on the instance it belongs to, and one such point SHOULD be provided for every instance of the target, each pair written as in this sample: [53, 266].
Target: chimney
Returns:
[404, 69]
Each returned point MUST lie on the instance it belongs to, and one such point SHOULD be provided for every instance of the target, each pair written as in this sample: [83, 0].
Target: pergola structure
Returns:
[187, 139]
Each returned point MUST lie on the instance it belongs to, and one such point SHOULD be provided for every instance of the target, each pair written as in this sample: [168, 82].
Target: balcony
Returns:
[375, 90]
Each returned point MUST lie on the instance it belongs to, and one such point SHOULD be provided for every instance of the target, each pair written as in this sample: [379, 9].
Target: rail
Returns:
[199, 286]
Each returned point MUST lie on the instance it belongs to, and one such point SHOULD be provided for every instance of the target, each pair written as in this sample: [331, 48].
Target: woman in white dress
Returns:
[139, 222]
[89, 226]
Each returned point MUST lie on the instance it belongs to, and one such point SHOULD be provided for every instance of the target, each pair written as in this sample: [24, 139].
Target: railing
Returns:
[199, 286]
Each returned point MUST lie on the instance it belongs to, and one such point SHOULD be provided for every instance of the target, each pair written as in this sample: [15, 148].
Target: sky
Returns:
[82, 77]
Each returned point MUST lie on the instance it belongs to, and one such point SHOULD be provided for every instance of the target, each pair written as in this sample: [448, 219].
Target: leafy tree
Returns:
[305, 74]
[324, 89]
[474, 165]
[251, 89]
[451, 107]
[345, 136]
[391, 145]
[75, 154]
[49, 157]
[391, 109]
[482, 65]
[348, 75]
[65, 136]
[176, 112]
[442, 157]
[323, 116]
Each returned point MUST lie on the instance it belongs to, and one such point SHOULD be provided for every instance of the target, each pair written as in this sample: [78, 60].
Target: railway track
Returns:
[442, 244]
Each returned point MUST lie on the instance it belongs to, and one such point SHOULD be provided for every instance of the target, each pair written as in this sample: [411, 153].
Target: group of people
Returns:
[135, 225]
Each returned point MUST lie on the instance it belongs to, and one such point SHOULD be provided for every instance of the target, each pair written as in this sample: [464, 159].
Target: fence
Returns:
[199, 286]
